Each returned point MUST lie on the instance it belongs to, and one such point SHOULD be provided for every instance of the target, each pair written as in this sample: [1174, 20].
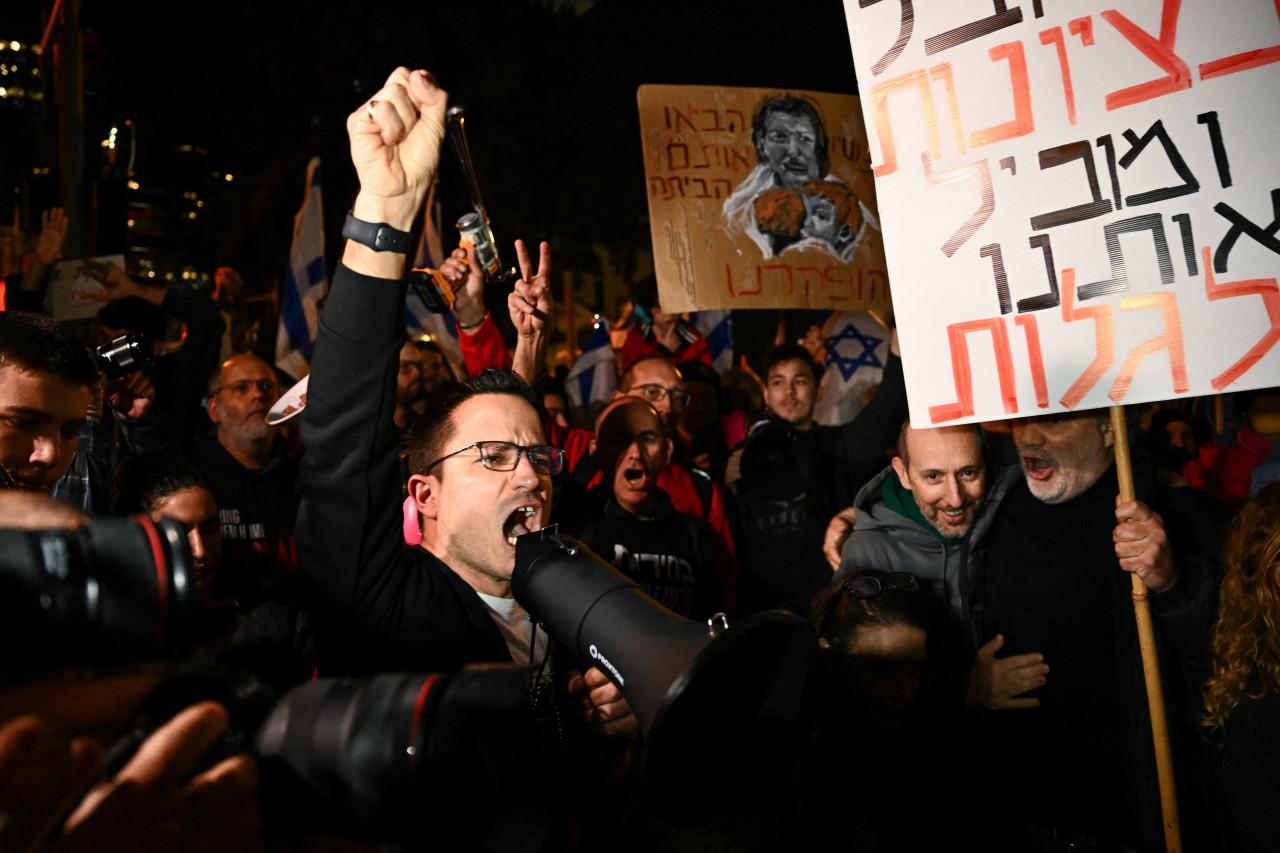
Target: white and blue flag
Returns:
[717, 328]
[306, 285]
[593, 377]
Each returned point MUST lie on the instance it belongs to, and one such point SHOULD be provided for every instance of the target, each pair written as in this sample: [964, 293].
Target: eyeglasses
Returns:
[868, 586]
[657, 393]
[505, 456]
[266, 386]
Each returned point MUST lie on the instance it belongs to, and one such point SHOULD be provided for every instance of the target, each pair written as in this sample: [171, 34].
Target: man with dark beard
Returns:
[253, 474]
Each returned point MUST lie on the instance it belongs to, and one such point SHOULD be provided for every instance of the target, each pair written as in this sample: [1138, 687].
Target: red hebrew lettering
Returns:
[1082, 27]
[1035, 356]
[884, 129]
[681, 118]
[1104, 338]
[728, 274]
[1022, 122]
[957, 335]
[791, 285]
[1054, 37]
[838, 276]
[1270, 293]
[671, 161]
[805, 278]
[942, 72]
[1170, 339]
[986, 206]
[1241, 61]
[1178, 75]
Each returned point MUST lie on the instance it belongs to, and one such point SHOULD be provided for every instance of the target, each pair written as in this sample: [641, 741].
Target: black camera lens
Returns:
[122, 356]
[378, 756]
[114, 591]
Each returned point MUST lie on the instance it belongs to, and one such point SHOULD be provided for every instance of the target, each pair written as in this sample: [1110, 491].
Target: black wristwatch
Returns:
[378, 236]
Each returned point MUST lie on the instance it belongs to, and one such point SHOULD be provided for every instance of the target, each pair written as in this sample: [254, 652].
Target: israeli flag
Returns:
[418, 321]
[857, 348]
[717, 328]
[594, 376]
[306, 285]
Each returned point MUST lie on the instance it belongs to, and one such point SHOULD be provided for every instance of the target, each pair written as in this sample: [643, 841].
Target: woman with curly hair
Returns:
[1243, 695]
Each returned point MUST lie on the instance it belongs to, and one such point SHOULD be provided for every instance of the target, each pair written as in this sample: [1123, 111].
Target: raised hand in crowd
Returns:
[53, 235]
[117, 284]
[530, 305]
[999, 682]
[467, 277]
[395, 147]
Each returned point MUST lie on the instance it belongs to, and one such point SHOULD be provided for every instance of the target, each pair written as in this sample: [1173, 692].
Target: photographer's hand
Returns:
[39, 782]
[151, 805]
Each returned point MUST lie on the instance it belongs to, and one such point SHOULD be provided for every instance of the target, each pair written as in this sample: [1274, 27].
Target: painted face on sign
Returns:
[789, 146]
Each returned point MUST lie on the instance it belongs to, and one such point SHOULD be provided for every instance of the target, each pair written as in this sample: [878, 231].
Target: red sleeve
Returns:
[695, 350]
[483, 347]
[635, 348]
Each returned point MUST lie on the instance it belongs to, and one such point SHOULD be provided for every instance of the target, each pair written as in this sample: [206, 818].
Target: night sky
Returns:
[550, 98]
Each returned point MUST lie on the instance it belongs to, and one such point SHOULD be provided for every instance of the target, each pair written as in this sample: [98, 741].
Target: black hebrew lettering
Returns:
[1137, 146]
[1188, 242]
[1051, 157]
[1038, 8]
[1119, 281]
[1044, 300]
[1010, 164]
[1109, 147]
[992, 251]
[1241, 225]
[904, 35]
[1210, 121]
[974, 29]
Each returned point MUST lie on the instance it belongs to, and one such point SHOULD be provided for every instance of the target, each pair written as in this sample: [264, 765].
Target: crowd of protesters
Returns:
[968, 589]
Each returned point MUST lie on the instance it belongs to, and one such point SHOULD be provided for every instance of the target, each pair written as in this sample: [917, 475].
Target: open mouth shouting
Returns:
[522, 520]
[1038, 467]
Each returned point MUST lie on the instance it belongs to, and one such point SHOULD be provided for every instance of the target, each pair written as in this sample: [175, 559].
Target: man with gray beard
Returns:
[1062, 727]
[254, 473]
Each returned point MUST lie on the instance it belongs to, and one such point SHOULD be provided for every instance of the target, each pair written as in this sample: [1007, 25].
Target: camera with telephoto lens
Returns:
[118, 590]
[123, 356]
[372, 758]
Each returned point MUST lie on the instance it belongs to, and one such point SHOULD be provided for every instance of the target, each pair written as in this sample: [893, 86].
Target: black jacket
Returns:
[377, 603]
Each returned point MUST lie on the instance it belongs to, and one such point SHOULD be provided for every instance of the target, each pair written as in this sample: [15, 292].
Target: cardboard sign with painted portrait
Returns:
[760, 198]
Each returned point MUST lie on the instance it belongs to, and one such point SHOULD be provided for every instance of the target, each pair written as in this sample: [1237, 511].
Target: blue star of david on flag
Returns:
[863, 345]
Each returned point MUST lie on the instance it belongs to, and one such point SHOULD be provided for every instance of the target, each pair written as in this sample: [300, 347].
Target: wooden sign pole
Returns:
[1150, 663]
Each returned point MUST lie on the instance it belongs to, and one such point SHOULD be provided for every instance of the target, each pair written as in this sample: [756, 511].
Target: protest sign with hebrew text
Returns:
[760, 198]
[1080, 201]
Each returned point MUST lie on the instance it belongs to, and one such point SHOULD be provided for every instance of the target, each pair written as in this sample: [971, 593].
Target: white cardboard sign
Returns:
[1080, 201]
